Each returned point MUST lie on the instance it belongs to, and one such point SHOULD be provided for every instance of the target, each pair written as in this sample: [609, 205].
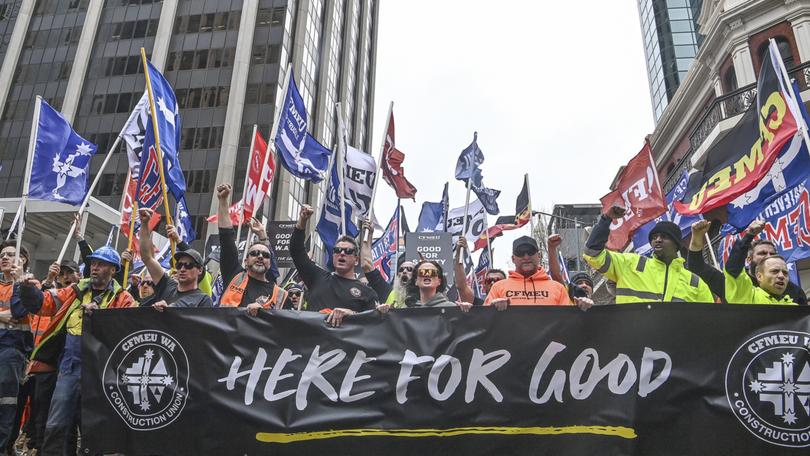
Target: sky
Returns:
[557, 90]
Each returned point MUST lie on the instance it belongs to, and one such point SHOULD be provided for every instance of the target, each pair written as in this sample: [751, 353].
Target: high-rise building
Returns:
[227, 61]
[668, 28]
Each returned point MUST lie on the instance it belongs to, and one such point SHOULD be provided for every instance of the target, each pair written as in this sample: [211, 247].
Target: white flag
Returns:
[359, 179]
[477, 216]
[133, 133]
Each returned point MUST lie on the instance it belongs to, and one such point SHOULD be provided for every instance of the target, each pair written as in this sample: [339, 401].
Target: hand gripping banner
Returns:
[665, 379]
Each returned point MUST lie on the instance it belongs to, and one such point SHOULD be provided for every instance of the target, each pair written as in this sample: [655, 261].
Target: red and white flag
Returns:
[391, 165]
[260, 175]
[126, 213]
[639, 191]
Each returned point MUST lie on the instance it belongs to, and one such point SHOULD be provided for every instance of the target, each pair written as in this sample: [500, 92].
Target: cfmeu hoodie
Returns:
[537, 289]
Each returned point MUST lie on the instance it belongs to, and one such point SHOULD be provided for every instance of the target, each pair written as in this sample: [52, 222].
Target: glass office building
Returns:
[671, 42]
[227, 61]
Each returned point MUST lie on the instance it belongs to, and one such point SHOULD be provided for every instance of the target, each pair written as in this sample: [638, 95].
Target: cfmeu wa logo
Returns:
[768, 387]
[146, 379]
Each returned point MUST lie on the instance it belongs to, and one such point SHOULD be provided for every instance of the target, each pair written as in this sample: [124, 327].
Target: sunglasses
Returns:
[428, 273]
[406, 268]
[182, 265]
[295, 294]
[524, 252]
[261, 253]
[146, 282]
[343, 250]
[491, 280]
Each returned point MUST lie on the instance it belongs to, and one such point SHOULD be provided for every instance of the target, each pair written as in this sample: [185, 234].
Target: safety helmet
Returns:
[106, 254]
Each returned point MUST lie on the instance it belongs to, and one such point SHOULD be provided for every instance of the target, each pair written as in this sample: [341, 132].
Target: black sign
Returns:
[665, 379]
[280, 233]
[436, 246]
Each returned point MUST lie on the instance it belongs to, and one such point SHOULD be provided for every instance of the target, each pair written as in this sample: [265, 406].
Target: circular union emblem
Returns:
[355, 292]
[146, 379]
[768, 387]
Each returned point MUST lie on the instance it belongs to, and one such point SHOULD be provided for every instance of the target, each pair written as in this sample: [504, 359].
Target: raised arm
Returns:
[465, 293]
[228, 253]
[695, 262]
[147, 249]
[554, 267]
[307, 268]
[736, 258]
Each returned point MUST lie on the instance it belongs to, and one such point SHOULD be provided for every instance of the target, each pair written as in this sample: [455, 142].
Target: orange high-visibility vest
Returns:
[236, 289]
[6, 321]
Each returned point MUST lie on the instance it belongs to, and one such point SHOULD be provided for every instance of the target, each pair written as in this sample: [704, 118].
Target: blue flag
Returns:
[61, 163]
[384, 249]
[484, 265]
[301, 154]
[329, 224]
[217, 288]
[468, 167]
[185, 228]
[791, 168]
[641, 241]
[434, 215]
[168, 121]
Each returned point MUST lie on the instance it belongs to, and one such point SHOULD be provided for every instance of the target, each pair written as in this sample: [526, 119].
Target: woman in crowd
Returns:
[428, 285]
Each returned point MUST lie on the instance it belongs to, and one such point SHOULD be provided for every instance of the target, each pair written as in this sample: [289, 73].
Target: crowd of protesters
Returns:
[41, 321]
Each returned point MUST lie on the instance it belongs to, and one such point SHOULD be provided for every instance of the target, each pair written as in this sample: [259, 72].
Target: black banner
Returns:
[280, 233]
[665, 379]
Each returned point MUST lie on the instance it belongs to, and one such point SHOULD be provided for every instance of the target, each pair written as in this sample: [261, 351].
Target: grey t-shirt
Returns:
[166, 290]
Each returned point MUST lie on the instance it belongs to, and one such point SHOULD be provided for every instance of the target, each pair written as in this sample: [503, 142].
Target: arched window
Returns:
[784, 50]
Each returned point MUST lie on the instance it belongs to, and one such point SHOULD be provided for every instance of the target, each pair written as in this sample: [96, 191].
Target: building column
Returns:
[163, 37]
[236, 98]
[801, 33]
[15, 45]
[81, 60]
[743, 65]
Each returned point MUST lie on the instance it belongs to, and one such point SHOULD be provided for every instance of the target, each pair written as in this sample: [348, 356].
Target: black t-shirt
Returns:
[331, 291]
[166, 290]
[255, 289]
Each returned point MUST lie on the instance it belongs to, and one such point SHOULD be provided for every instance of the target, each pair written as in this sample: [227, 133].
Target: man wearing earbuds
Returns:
[339, 291]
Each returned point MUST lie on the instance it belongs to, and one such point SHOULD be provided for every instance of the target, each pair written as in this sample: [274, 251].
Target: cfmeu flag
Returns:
[168, 127]
[300, 153]
[384, 249]
[133, 134]
[468, 167]
[745, 155]
[639, 192]
[393, 172]
[61, 162]
[641, 243]
[329, 224]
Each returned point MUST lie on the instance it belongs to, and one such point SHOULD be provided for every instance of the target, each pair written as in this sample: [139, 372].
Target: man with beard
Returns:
[183, 290]
[661, 278]
[250, 286]
[339, 293]
[63, 338]
[20, 299]
[399, 294]
[748, 248]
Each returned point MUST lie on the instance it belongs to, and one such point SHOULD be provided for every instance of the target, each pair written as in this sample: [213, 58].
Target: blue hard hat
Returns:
[106, 254]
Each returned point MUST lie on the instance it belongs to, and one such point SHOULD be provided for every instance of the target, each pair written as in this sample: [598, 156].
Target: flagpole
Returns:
[157, 147]
[325, 181]
[244, 186]
[469, 188]
[14, 222]
[486, 233]
[132, 216]
[396, 240]
[379, 168]
[86, 199]
[711, 250]
[121, 208]
[529, 197]
[32, 142]
[341, 168]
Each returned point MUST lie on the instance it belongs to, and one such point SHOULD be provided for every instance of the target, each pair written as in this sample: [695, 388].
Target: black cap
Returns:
[524, 240]
[666, 228]
[70, 264]
[193, 254]
[580, 276]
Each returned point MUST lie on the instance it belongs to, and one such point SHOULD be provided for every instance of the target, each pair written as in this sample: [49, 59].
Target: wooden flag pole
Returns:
[132, 216]
[245, 185]
[467, 199]
[157, 147]
[711, 250]
[87, 197]
[379, 168]
[32, 144]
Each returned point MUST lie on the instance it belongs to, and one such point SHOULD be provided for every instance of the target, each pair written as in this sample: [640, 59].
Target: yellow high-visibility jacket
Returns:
[642, 279]
[741, 290]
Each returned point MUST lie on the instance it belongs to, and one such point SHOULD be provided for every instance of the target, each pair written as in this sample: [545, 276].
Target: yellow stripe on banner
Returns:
[612, 431]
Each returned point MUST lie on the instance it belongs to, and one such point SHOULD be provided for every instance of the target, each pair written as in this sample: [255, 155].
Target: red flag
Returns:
[126, 212]
[639, 191]
[504, 223]
[391, 165]
[258, 183]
